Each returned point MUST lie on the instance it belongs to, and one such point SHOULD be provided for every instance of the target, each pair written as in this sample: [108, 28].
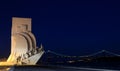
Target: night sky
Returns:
[65, 26]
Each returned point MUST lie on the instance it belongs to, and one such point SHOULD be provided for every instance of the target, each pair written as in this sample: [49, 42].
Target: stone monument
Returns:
[23, 44]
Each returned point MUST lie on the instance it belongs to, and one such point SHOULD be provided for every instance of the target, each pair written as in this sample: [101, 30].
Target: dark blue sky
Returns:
[65, 26]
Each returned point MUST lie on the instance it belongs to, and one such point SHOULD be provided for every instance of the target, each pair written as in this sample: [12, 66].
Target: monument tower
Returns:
[23, 43]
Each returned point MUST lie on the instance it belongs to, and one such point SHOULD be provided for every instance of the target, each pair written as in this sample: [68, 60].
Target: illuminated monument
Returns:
[23, 44]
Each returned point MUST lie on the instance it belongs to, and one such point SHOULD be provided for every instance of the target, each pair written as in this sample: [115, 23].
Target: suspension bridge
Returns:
[102, 52]
[100, 56]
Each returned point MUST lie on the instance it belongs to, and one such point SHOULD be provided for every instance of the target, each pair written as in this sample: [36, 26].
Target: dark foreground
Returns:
[48, 68]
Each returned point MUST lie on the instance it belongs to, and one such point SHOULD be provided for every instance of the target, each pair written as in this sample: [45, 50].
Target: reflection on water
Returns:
[49, 68]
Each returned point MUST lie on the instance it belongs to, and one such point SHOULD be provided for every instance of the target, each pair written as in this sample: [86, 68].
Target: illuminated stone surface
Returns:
[23, 44]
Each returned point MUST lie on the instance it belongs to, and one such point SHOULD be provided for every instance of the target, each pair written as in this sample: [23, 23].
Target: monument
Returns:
[23, 44]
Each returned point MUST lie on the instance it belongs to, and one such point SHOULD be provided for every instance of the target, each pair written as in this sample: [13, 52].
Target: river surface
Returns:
[51, 68]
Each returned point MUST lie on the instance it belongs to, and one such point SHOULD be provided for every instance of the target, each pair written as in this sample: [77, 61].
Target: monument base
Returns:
[6, 64]
[32, 60]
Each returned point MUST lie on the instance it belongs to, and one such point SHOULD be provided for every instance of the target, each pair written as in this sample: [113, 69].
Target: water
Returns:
[49, 68]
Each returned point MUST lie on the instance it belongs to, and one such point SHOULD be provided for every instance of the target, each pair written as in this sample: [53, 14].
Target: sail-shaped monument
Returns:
[24, 50]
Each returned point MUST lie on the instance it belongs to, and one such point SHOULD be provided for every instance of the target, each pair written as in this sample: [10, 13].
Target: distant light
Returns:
[70, 61]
